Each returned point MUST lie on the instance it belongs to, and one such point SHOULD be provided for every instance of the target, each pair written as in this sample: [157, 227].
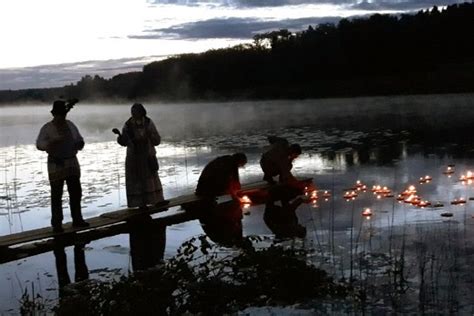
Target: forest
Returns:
[430, 51]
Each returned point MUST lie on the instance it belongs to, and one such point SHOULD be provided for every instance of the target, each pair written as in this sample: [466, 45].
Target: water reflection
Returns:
[222, 223]
[282, 220]
[147, 242]
[419, 259]
[81, 270]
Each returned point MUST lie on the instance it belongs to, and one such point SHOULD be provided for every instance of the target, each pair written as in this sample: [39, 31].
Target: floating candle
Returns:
[449, 170]
[367, 212]
[245, 199]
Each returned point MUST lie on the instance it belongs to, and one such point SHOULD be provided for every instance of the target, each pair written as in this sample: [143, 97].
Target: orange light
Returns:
[245, 199]
[367, 212]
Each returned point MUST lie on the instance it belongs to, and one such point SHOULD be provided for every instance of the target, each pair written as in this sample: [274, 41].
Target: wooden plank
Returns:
[115, 217]
[65, 240]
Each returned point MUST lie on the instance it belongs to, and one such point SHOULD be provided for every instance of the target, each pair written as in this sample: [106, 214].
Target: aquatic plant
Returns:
[200, 279]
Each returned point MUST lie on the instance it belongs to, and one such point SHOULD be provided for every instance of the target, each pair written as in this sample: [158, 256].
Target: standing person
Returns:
[61, 139]
[221, 176]
[278, 161]
[140, 136]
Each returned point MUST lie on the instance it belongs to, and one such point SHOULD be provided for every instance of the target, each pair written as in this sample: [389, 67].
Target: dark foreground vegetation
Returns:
[200, 280]
[427, 52]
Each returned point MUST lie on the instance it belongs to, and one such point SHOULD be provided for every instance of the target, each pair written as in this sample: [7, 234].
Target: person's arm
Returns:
[42, 141]
[77, 137]
[287, 177]
[153, 134]
[234, 184]
[123, 139]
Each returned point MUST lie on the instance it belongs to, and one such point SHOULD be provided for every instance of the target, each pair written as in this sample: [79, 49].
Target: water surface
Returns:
[388, 141]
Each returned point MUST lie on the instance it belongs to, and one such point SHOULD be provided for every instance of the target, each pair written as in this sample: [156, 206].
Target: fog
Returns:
[178, 121]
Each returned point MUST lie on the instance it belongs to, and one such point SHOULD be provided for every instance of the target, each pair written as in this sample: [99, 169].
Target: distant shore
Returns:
[424, 53]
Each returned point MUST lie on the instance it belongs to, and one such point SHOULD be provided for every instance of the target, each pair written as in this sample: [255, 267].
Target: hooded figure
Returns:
[140, 136]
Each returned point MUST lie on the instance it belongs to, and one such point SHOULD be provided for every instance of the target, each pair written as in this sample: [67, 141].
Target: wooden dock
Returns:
[36, 241]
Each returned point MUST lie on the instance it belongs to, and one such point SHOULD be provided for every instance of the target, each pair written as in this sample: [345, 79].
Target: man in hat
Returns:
[61, 139]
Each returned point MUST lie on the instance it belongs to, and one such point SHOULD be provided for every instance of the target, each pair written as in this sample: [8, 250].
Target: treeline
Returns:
[431, 51]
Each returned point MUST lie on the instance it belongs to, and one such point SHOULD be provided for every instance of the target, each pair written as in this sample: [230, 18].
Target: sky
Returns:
[48, 43]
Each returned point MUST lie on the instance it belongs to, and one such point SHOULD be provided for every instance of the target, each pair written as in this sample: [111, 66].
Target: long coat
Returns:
[143, 185]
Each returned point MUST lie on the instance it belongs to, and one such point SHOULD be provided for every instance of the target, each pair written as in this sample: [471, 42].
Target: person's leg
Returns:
[61, 267]
[82, 272]
[56, 204]
[75, 195]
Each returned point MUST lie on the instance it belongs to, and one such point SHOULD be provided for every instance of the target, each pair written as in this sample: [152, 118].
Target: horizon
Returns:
[135, 33]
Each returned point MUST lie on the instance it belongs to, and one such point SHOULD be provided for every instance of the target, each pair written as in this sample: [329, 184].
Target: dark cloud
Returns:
[237, 3]
[409, 5]
[356, 4]
[63, 74]
[236, 28]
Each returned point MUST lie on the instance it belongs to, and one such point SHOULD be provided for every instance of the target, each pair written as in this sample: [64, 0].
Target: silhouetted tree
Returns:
[427, 52]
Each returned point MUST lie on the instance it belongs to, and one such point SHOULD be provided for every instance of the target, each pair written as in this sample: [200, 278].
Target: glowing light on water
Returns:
[425, 179]
[459, 201]
[367, 212]
[449, 170]
[350, 195]
[245, 199]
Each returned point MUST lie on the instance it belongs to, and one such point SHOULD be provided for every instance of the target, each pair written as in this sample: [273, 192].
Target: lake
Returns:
[386, 141]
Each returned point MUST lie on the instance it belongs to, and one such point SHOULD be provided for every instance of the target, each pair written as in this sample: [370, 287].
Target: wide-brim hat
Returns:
[59, 108]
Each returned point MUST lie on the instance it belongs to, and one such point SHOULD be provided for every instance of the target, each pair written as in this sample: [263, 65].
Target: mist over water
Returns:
[178, 121]
[344, 140]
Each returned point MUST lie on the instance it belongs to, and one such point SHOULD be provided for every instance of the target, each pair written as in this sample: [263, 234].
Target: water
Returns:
[390, 141]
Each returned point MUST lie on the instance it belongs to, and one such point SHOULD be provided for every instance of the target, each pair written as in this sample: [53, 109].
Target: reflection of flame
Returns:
[424, 204]
[469, 176]
[449, 170]
[246, 205]
[408, 192]
[458, 201]
[425, 179]
[246, 199]
[350, 195]
[367, 212]
[359, 186]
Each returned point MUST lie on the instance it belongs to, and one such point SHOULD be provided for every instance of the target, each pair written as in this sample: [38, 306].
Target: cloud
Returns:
[408, 5]
[236, 28]
[355, 4]
[237, 3]
[63, 74]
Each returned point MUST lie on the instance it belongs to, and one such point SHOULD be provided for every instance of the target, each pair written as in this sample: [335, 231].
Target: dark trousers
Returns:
[75, 194]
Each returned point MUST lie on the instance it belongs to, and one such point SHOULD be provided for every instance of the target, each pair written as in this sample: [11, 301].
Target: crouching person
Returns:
[221, 176]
